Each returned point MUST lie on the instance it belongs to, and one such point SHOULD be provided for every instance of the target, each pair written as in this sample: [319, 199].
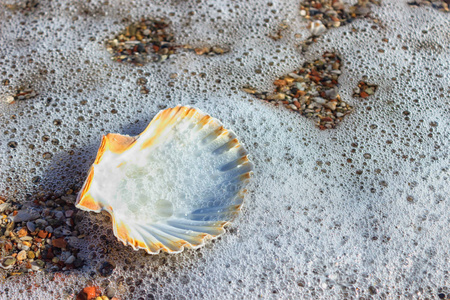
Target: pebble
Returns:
[331, 93]
[89, 293]
[39, 263]
[24, 246]
[70, 260]
[34, 267]
[23, 216]
[320, 100]
[249, 91]
[8, 99]
[106, 269]
[22, 232]
[41, 222]
[139, 81]
[110, 292]
[317, 28]
[4, 206]
[43, 233]
[331, 105]
[73, 241]
[22, 255]
[362, 10]
[59, 215]
[31, 227]
[69, 198]
[59, 243]
[8, 262]
[9, 228]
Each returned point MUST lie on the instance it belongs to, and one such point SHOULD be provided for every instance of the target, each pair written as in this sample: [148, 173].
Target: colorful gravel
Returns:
[93, 293]
[364, 90]
[20, 94]
[39, 235]
[326, 14]
[441, 5]
[207, 50]
[141, 42]
[24, 7]
[150, 41]
[312, 91]
[278, 34]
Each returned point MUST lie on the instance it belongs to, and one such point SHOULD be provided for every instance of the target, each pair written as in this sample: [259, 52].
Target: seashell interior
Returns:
[173, 186]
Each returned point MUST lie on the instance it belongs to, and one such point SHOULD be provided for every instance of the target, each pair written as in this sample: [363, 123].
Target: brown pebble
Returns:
[89, 293]
[280, 82]
[201, 51]
[59, 243]
[42, 234]
[22, 232]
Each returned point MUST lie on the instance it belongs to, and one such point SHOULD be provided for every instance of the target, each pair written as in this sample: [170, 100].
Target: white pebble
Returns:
[317, 28]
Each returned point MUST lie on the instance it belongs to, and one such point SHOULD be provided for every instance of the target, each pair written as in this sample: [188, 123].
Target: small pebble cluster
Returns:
[94, 293]
[149, 41]
[327, 14]
[441, 5]
[207, 50]
[23, 6]
[364, 90]
[311, 91]
[278, 34]
[39, 235]
[20, 94]
[142, 42]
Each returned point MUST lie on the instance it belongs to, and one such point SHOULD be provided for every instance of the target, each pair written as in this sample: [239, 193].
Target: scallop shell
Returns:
[176, 184]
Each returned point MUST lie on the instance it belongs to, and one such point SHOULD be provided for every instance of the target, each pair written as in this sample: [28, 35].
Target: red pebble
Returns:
[8, 246]
[42, 234]
[89, 293]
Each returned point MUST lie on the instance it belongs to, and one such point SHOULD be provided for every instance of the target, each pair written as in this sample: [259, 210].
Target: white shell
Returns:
[176, 184]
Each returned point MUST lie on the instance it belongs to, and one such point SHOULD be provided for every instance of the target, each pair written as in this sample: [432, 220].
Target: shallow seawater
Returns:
[356, 211]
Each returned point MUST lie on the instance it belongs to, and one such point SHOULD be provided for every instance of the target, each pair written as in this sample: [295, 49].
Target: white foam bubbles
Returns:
[322, 219]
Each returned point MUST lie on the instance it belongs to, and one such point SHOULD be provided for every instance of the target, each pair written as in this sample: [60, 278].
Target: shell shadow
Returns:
[68, 169]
